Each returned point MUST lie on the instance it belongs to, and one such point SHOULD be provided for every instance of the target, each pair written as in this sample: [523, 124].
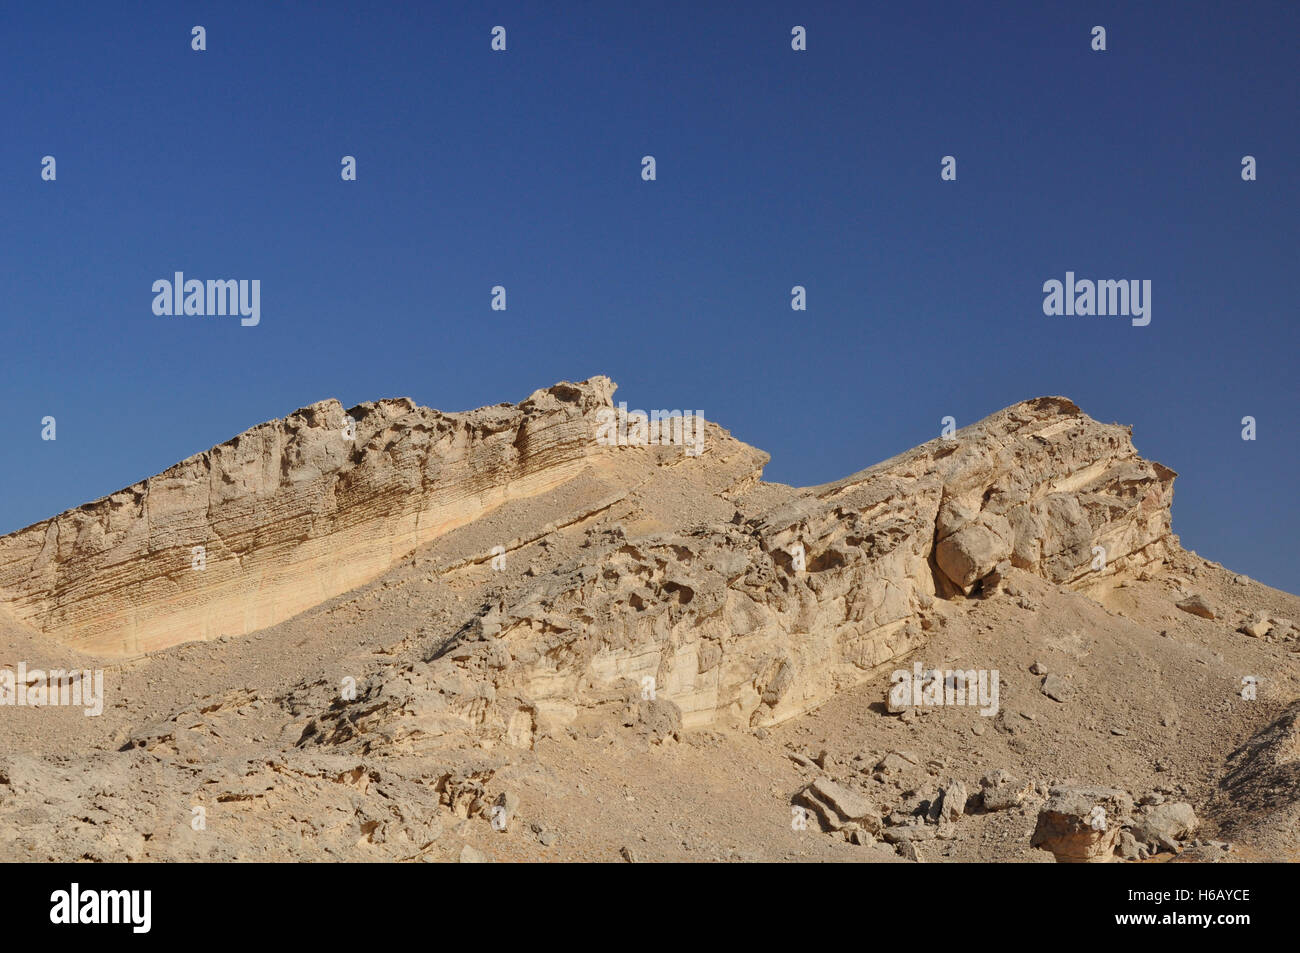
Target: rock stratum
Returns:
[730, 622]
[288, 514]
[401, 618]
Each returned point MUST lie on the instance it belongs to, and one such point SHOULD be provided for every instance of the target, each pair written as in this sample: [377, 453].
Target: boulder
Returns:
[1080, 824]
[1164, 825]
[1128, 848]
[838, 806]
[974, 551]
[1258, 626]
[658, 719]
[952, 802]
[1055, 688]
[1197, 605]
[1002, 791]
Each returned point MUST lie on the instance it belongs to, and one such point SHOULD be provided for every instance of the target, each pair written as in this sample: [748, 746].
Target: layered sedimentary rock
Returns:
[693, 593]
[752, 620]
[287, 515]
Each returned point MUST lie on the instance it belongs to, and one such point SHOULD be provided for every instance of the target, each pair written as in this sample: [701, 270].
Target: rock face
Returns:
[288, 514]
[739, 602]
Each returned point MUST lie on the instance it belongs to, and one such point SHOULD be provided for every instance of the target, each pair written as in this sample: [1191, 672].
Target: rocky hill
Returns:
[394, 633]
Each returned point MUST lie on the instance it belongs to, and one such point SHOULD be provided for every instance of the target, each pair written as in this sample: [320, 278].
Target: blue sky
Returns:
[775, 168]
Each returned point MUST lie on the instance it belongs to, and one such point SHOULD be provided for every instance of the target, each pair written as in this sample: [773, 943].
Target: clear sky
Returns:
[774, 168]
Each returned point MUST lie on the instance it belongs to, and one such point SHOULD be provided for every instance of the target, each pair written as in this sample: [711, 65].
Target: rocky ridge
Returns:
[527, 592]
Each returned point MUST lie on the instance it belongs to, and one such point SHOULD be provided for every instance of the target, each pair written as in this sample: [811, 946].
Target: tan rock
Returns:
[1081, 824]
[1002, 791]
[1258, 626]
[838, 806]
[953, 803]
[1164, 825]
[1197, 605]
[287, 515]
[724, 622]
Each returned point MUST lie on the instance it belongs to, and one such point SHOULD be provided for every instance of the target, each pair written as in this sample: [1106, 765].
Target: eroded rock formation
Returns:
[287, 514]
[733, 601]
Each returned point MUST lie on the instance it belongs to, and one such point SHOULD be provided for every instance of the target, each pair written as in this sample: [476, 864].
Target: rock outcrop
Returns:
[739, 602]
[287, 514]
